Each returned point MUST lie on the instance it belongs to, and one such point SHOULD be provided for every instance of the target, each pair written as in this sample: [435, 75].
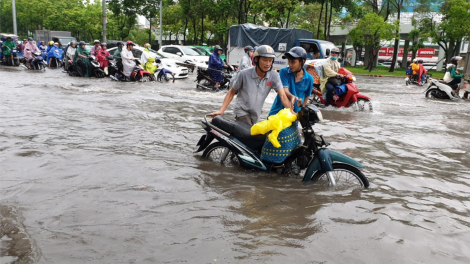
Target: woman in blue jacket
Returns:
[216, 63]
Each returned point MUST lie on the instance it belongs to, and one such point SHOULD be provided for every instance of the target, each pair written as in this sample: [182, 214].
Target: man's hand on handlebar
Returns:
[216, 113]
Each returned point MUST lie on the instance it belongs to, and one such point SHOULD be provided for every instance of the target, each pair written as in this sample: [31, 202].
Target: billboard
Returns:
[429, 52]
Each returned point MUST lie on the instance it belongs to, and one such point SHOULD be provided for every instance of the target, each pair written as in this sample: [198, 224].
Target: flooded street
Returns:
[96, 171]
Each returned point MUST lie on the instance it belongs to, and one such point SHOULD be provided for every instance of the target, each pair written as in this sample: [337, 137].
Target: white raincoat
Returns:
[245, 63]
[145, 56]
[127, 62]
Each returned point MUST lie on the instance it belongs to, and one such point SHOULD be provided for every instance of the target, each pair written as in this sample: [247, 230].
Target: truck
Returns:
[62, 37]
[280, 39]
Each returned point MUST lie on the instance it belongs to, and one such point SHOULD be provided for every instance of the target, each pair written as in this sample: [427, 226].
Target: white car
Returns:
[185, 54]
[168, 63]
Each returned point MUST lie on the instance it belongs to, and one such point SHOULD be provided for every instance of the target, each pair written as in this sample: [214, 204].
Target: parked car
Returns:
[184, 54]
[168, 63]
[209, 50]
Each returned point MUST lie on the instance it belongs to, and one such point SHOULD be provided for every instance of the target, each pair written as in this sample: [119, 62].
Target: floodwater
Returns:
[95, 171]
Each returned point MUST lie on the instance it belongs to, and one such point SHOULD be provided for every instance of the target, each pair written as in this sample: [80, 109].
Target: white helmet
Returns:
[415, 60]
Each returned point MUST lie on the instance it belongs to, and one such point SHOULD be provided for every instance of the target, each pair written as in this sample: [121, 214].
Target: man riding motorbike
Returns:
[253, 86]
[49, 46]
[330, 70]
[128, 60]
[70, 55]
[7, 46]
[297, 83]
[95, 48]
[50, 54]
[117, 57]
[245, 63]
[42, 46]
[215, 66]
[29, 49]
[80, 60]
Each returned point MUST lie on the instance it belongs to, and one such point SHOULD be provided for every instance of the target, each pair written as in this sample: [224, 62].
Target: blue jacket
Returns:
[54, 52]
[215, 62]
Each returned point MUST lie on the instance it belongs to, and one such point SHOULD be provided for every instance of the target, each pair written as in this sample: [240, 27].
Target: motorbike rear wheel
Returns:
[364, 105]
[204, 84]
[435, 93]
[219, 153]
[346, 176]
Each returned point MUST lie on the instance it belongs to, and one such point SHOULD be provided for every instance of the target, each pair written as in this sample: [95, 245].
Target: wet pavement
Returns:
[95, 171]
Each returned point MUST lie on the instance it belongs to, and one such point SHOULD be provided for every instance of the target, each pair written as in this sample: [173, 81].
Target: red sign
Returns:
[421, 52]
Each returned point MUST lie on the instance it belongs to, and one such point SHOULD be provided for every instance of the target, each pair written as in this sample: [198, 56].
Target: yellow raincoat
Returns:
[149, 66]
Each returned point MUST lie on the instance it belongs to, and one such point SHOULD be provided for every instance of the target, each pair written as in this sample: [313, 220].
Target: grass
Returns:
[384, 72]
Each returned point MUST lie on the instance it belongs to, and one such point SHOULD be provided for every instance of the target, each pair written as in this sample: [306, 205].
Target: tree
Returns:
[372, 30]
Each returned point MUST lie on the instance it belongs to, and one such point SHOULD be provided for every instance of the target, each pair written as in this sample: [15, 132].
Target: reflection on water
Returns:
[99, 171]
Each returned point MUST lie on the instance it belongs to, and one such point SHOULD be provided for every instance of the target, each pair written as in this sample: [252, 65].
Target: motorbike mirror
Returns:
[179, 54]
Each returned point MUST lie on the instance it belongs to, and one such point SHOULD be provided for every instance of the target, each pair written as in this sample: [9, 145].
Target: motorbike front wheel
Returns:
[219, 153]
[204, 84]
[364, 105]
[345, 175]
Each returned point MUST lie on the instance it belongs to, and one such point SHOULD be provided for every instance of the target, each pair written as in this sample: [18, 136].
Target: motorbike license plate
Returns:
[14, 51]
[335, 97]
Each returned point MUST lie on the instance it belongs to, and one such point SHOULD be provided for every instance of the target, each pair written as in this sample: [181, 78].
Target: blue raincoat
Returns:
[54, 52]
[215, 62]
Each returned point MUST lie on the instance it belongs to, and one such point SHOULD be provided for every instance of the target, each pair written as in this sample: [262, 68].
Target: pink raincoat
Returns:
[28, 54]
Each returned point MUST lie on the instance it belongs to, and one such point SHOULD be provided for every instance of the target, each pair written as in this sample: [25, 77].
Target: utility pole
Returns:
[466, 70]
[161, 29]
[13, 6]
[104, 19]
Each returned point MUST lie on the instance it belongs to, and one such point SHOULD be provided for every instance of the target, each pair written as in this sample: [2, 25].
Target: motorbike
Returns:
[235, 145]
[56, 59]
[164, 74]
[204, 80]
[349, 96]
[38, 63]
[441, 90]
[12, 59]
[95, 69]
[137, 75]
[413, 79]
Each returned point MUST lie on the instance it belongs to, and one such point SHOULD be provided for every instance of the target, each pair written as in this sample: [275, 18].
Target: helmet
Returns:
[82, 43]
[420, 61]
[265, 51]
[455, 60]
[8, 37]
[51, 42]
[120, 43]
[130, 43]
[217, 47]
[146, 45]
[335, 50]
[73, 42]
[96, 41]
[296, 53]
[103, 44]
[30, 38]
[248, 49]
[415, 60]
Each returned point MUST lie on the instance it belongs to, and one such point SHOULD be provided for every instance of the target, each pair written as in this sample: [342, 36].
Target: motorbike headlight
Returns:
[315, 114]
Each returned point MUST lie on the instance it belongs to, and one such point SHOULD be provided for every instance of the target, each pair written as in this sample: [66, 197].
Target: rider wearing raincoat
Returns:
[128, 60]
[149, 66]
[49, 46]
[80, 60]
[7, 46]
[29, 49]
[54, 52]
[146, 54]
[215, 66]
[101, 56]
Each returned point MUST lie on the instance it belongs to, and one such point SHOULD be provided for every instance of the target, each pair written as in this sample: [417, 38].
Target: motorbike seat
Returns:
[453, 86]
[240, 130]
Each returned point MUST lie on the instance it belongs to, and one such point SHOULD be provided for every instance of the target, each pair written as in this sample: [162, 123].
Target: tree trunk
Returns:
[185, 28]
[288, 16]
[329, 22]
[397, 40]
[326, 21]
[202, 27]
[319, 19]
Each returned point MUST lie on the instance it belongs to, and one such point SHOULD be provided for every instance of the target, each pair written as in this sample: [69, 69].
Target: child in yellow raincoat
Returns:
[149, 66]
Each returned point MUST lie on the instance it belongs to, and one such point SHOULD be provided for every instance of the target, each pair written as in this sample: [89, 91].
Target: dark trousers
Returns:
[329, 93]
[454, 82]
